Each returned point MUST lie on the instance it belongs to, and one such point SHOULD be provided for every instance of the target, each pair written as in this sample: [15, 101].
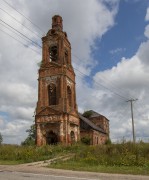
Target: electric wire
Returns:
[75, 68]
[19, 22]
[13, 31]
[19, 41]
[111, 85]
[97, 83]
[23, 16]
[22, 34]
[73, 55]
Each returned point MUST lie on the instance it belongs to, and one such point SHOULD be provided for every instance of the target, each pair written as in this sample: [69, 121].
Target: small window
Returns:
[66, 57]
[69, 95]
[53, 53]
[52, 94]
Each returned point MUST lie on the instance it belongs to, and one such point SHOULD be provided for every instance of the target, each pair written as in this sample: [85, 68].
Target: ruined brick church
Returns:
[57, 118]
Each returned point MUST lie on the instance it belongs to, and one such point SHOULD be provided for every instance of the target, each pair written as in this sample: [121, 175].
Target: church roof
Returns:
[95, 114]
[91, 124]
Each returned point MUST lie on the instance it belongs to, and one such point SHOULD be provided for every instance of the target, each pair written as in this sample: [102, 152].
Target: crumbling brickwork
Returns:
[56, 112]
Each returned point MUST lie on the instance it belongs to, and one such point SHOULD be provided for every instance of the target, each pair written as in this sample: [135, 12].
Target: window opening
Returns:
[69, 95]
[52, 94]
[53, 53]
[66, 56]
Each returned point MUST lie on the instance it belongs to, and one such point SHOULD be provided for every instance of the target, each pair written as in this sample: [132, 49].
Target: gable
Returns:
[48, 111]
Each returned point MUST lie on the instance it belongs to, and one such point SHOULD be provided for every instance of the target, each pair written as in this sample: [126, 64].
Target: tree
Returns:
[30, 140]
[1, 138]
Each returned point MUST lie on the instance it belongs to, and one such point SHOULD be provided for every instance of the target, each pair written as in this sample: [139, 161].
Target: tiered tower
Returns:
[56, 117]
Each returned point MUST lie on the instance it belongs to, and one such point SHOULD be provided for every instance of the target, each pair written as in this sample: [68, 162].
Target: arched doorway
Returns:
[72, 135]
[51, 138]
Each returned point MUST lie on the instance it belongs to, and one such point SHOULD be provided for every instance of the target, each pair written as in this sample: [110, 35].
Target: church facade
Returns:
[57, 118]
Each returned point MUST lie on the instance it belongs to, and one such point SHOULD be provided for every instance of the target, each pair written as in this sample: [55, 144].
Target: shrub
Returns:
[86, 140]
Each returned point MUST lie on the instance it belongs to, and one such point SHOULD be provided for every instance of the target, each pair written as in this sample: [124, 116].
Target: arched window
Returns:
[52, 94]
[69, 95]
[66, 56]
[51, 138]
[53, 53]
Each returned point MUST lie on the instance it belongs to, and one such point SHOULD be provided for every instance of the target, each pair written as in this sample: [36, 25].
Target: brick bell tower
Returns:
[56, 116]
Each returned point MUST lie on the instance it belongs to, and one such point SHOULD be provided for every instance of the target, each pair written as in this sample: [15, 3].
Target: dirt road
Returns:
[38, 169]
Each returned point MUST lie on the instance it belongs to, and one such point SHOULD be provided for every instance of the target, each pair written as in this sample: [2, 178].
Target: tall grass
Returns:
[31, 153]
[124, 154]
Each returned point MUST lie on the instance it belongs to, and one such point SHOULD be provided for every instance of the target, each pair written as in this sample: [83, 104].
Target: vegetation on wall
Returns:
[87, 114]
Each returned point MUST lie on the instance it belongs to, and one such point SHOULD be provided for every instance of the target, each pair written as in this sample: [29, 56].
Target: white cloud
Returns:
[146, 33]
[147, 15]
[130, 79]
[84, 21]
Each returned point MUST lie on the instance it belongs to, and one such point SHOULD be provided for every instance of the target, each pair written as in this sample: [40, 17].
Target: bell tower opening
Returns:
[66, 57]
[53, 53]
[69, 94]
[52, 94]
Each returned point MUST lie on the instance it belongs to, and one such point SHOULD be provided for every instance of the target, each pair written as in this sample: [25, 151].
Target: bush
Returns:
[86, 140]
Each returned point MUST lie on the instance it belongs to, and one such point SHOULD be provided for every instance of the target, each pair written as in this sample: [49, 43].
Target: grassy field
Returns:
[125, 158]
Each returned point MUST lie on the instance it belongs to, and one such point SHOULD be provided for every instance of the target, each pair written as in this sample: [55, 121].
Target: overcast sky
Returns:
[110, 54]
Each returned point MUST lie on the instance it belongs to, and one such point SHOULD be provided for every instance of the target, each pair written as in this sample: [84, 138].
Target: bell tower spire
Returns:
[57, 118]
[57, 23]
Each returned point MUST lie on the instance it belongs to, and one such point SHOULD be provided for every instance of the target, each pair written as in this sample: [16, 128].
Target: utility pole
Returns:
[133, 129]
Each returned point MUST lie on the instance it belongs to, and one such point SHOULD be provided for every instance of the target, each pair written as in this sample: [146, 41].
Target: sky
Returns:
[110, 42]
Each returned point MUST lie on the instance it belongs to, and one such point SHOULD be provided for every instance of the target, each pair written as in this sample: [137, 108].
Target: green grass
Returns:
[127, 158]
[78, 166]
[13, 162]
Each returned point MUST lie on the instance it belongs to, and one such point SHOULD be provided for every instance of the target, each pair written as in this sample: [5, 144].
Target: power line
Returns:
[19, 22]
[102, 85]
[10, 29]
[74, 68]
[24, 16]
[22, 34]
[112, 85]
[19, 41]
